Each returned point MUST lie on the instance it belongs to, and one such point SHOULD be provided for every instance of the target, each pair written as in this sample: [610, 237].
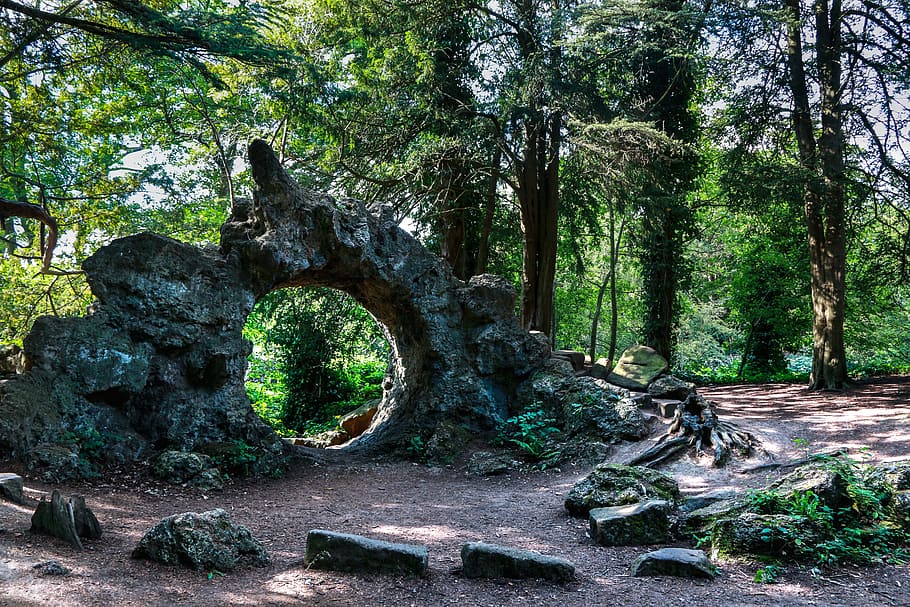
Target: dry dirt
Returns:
[444, 507]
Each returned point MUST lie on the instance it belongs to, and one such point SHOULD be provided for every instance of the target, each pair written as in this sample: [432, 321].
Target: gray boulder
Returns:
[702, 500]
[11, 487]
[346, 552]
[637, 368]
[679, 562]
[634, 525]
[202, 541]
[763, 535]
[669, 387]
[618, 485]
[491, 561]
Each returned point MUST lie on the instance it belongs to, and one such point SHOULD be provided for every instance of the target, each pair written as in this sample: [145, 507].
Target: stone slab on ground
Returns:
[355, 553]
[11, 487]
[679, 562]
[702, 500]
[634, 525]
[492, 561]
[68, 520]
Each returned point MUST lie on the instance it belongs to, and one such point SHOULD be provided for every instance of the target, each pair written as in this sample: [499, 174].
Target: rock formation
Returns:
[160, 362]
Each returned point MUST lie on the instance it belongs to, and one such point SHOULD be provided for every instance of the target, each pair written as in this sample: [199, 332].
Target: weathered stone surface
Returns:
[484, 463]
[11, 487]
[762, 535]
[669, 387]
[679, 562]
[668, 408]
[897, 474]
[618, 485]
[68, 520]
[583, 406]
[201, 541]
[576, 359]
[700, 520]
[702, 500]
[634, 525]
[345, 552]
[825, 482]
[190, 469]
[491, 561]
[358, 421]
[637, 368]
[642, 399]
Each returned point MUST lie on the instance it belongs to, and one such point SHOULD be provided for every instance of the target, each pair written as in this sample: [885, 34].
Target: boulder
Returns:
[52, 568]
[329, 438]
[491, 561]
[68, 520]
[679, 562]
[827, 483]
[668, 408]
[637, 368]
[207, 541]
[358, 421]
[635, 525]
[11, 487]
[355, 553]
[897, 474]
[669, 387]
[189, 469]
[618, 485]
[772, 535]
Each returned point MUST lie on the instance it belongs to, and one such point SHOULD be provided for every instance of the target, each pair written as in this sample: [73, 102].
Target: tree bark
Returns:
[10, 208]
[823, 164]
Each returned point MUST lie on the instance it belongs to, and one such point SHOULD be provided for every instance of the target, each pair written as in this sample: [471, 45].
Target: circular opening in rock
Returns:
[318, 365]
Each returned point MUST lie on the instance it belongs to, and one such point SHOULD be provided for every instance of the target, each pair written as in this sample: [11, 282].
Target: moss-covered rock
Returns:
[618, 485]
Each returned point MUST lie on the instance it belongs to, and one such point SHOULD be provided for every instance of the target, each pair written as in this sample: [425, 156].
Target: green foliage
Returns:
[533, 433]
[317, 356]
[235, 458]
[416, 448]
[768, 574]
[857, 533]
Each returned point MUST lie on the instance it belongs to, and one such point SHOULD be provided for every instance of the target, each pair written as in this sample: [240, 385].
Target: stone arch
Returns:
[457, 349]
[160, 361]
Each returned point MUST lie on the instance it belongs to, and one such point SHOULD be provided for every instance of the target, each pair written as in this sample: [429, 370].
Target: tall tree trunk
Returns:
[823, 164]
[489, 209]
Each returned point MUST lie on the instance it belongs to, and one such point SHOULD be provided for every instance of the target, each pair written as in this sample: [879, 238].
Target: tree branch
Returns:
[10, 208]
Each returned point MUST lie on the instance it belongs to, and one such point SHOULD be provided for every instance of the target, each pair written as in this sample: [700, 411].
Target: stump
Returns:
[695, 425]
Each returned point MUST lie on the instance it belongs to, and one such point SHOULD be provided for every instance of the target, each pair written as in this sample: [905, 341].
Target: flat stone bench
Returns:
[491, 561]
[635, 525]
[358, 554]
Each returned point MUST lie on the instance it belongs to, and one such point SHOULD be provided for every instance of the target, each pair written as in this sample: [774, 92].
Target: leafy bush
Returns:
[858, 532]
[532, 432]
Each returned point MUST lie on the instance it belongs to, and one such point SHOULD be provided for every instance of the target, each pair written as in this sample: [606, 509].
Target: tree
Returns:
[832, 96]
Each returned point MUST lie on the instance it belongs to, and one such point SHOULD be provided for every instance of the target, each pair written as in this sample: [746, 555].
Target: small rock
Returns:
[702, 500]
[492, 561]
[576, 359]
[52, 568]
[201, 541]
[635, 525]
[358, 421]
[484, 463]
[11, 487]
[679, 562]
[355, 553]
[670, 388]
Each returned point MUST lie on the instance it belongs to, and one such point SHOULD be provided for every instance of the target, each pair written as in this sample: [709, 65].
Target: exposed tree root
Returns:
[695, 424]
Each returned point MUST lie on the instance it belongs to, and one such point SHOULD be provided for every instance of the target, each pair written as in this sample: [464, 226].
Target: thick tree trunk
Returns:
[823, 164]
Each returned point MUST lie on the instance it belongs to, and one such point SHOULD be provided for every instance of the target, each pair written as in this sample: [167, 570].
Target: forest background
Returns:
[725, 181]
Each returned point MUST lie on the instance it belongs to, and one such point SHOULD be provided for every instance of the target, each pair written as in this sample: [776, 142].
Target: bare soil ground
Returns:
[444, 507]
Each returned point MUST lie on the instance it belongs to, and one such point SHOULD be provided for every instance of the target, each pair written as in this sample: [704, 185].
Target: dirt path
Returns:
[444, 507]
